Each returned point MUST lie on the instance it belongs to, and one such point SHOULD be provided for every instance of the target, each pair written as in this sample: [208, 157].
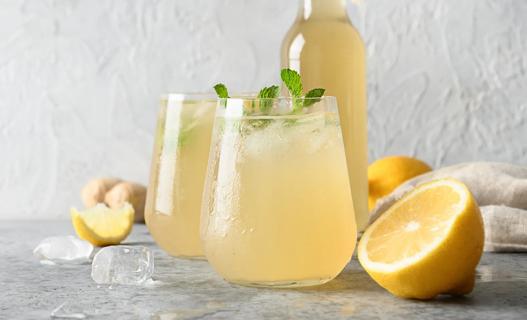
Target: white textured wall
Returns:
[79, 81]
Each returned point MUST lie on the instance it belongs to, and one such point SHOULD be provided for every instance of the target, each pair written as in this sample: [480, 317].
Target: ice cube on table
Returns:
[63, 249]
[123, 265]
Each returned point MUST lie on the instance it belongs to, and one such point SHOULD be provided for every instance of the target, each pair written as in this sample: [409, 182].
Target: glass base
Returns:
[281, 284]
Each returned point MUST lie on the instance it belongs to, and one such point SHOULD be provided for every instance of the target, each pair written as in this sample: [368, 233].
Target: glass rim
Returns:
[278, 108]
[189, 96]
[284, 98]
[210, 96]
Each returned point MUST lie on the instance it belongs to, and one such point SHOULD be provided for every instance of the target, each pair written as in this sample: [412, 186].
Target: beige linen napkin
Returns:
[500, 189]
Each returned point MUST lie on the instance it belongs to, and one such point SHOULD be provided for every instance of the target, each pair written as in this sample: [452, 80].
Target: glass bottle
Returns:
[328, 52]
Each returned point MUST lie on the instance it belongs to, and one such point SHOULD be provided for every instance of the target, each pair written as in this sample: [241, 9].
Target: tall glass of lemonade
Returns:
[179, 163]
[277, 207]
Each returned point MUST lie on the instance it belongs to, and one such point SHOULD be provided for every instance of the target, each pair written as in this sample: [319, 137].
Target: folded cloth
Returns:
[500, 190]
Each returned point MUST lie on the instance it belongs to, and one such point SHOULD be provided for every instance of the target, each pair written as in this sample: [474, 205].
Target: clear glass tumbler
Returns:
[277, 207]
[178, 169]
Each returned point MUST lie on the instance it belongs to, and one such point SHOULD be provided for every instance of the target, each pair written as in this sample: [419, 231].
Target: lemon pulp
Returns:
[427, 243]
[103, 226]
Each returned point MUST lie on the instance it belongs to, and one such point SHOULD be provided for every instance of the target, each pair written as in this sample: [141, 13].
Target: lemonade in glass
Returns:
[177, 173]
[277, 207]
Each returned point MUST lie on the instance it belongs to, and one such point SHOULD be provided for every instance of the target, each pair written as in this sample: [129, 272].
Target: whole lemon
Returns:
[386, 174]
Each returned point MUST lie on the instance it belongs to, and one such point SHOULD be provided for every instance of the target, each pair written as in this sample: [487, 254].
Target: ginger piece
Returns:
[133, 193]
[95, 190]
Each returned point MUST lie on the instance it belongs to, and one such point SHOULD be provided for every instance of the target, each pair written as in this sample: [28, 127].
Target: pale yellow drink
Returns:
[177, 175]
[277, 205]
[327, 51]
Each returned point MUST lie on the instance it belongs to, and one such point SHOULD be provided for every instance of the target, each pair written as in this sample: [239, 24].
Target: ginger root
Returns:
[95, 190]
[130, 192]
[114, 193]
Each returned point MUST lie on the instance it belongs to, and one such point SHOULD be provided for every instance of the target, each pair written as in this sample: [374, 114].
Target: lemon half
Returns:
[427, 243]
[103, 226]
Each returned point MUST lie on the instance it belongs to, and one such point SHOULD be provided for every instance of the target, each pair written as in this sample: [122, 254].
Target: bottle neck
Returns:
[322, 10]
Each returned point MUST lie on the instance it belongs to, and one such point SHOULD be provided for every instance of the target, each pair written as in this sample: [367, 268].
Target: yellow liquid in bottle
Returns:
[179, 165]
[285, 217]
[328, 52]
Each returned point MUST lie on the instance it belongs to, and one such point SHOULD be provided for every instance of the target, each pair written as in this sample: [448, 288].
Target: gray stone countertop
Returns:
[191, 290]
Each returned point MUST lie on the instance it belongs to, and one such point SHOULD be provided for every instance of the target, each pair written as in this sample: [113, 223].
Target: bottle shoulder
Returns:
[322, 28]
[322, 32]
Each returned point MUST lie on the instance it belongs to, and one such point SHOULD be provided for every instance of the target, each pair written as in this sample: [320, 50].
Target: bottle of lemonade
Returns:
[324, 47]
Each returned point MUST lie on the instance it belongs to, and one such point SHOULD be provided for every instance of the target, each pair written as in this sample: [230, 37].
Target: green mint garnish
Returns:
[184, 136]
[221, 91]
[187, 131]
[269, 92]
[313, 96]
[292, 81]
[265, 95]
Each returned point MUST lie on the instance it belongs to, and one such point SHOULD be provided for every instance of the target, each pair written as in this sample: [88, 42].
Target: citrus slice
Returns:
[428, 243]
[103, 226]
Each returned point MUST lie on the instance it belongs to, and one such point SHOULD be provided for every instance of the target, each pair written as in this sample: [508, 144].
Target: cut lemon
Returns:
[103, 226]
[428, 243]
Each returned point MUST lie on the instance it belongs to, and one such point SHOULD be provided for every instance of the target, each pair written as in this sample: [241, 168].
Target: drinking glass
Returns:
[178, 169]
[277, 206]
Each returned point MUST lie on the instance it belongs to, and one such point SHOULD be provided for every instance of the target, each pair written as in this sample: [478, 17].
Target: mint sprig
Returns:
[221, 91]
[269, 92]
[313, 96]
[265, 95]
[292, 81]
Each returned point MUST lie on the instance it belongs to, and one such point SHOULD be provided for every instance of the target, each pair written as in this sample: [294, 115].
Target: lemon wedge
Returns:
[102, 226]
[428, 243]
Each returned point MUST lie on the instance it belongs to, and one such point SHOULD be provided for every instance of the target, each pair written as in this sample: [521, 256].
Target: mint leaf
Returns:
[221, 91]
[292, 81]
[187, 131]
[313, 96]
[184, 136]
[265, 95]
[269, 92]
[297, 104]
[260, 123]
